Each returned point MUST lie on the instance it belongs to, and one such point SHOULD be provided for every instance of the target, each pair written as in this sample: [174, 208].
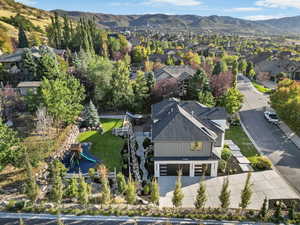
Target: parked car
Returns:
[271, 117]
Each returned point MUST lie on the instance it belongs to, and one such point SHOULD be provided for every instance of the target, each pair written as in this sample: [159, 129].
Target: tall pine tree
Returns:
[23, 41]
[178, 194]
[91, 116]
[154, 192]
[32, 188]
[224, 196]
[246, 193]
[121, 88]
[29, 66]
[201, 195]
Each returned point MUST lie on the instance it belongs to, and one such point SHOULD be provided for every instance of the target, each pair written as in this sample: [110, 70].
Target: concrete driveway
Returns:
[266, 183]
[269, 139]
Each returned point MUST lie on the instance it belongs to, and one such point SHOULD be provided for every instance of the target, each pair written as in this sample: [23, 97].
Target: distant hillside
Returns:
[38, 18]
[192, 22]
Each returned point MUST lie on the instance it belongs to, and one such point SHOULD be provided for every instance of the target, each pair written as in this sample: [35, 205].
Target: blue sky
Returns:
[246, 9]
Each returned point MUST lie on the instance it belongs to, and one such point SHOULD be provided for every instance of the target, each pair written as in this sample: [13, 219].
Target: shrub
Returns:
[226, 154]
[261, 163]
[222, 165]
[146, 189]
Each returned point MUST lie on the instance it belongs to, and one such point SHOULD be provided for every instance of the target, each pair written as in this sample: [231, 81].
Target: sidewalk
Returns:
[290, 134]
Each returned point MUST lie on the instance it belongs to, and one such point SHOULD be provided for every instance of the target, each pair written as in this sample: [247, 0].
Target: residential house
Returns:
[28, 86]
[182, 74]
[270, 69]
[12, 61]
[188, 136]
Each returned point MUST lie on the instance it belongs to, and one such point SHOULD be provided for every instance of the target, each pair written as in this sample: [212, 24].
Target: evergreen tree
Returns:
[264, 209]
[91, 116]
[131, 191]
[220, 67]
[23, 41]
[250, 70]
[121, 89]
[243, 66]
[154, 192]
[150, 81]
[84, 192]
[29, 65]
[57, 190]
[292, 213]
[170, 60]
[48, 66]
[73, 190]
[246, 193]
[235, 71]
[199, 83]
[140, 90]
[32, 188]
[105, 188]
[67, 33]
[178, 194]
[201, 197]
[224, 196]
[122, 186]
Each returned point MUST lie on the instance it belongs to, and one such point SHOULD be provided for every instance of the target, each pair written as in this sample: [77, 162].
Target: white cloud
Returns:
[247, 9]
[176, 2]
[279, 3]
[262, 17]
[27, 2]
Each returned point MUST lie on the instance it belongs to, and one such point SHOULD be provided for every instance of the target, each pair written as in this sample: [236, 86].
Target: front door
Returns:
[172, 169]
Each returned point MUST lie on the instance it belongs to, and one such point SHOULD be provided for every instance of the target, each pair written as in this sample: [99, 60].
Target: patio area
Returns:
[266, 183]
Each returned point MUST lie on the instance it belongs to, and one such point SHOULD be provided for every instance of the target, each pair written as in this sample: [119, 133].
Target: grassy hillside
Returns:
[40, 19]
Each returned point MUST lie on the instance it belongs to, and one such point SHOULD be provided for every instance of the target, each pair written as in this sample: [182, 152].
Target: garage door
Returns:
[171, 169]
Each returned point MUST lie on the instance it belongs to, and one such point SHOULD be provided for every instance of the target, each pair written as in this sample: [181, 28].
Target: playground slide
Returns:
[88, 158]
[134, 116]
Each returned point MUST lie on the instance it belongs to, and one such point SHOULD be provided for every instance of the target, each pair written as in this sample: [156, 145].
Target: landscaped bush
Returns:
[222, 165]
[226, 154]
[261, 163]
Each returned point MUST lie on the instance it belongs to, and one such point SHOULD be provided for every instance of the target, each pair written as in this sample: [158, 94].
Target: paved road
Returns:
[45, 219]
[268, 137]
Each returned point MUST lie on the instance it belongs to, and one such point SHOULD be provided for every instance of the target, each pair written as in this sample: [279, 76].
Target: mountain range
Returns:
[283, 26]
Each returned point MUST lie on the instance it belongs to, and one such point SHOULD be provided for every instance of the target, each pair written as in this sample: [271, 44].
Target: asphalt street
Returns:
[45, 219]
[270, 140]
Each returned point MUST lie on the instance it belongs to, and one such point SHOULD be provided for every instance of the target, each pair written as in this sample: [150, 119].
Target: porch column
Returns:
[156, 169]
[192, 169]
[214, 169]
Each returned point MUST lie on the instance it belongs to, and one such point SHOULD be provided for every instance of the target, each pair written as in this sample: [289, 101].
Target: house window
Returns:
[197, 146]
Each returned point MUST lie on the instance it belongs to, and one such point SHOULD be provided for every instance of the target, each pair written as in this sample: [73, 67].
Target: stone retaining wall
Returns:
[58, 154]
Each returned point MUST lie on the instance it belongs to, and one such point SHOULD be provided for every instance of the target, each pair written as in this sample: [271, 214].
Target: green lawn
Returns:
[106, 147]
[238, 136]
[261, 88]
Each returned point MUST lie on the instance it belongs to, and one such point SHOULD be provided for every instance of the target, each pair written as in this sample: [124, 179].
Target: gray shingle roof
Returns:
[185, 121]
[178, 72]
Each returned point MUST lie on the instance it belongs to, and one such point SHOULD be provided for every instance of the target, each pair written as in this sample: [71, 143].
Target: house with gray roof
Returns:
[187, 136]
[182, 74]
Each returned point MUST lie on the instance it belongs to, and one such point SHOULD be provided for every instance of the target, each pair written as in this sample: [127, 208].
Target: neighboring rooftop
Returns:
[29, 84]
[177, 72]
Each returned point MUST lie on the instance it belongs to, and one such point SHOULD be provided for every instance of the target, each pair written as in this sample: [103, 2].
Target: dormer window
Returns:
[197, 146]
